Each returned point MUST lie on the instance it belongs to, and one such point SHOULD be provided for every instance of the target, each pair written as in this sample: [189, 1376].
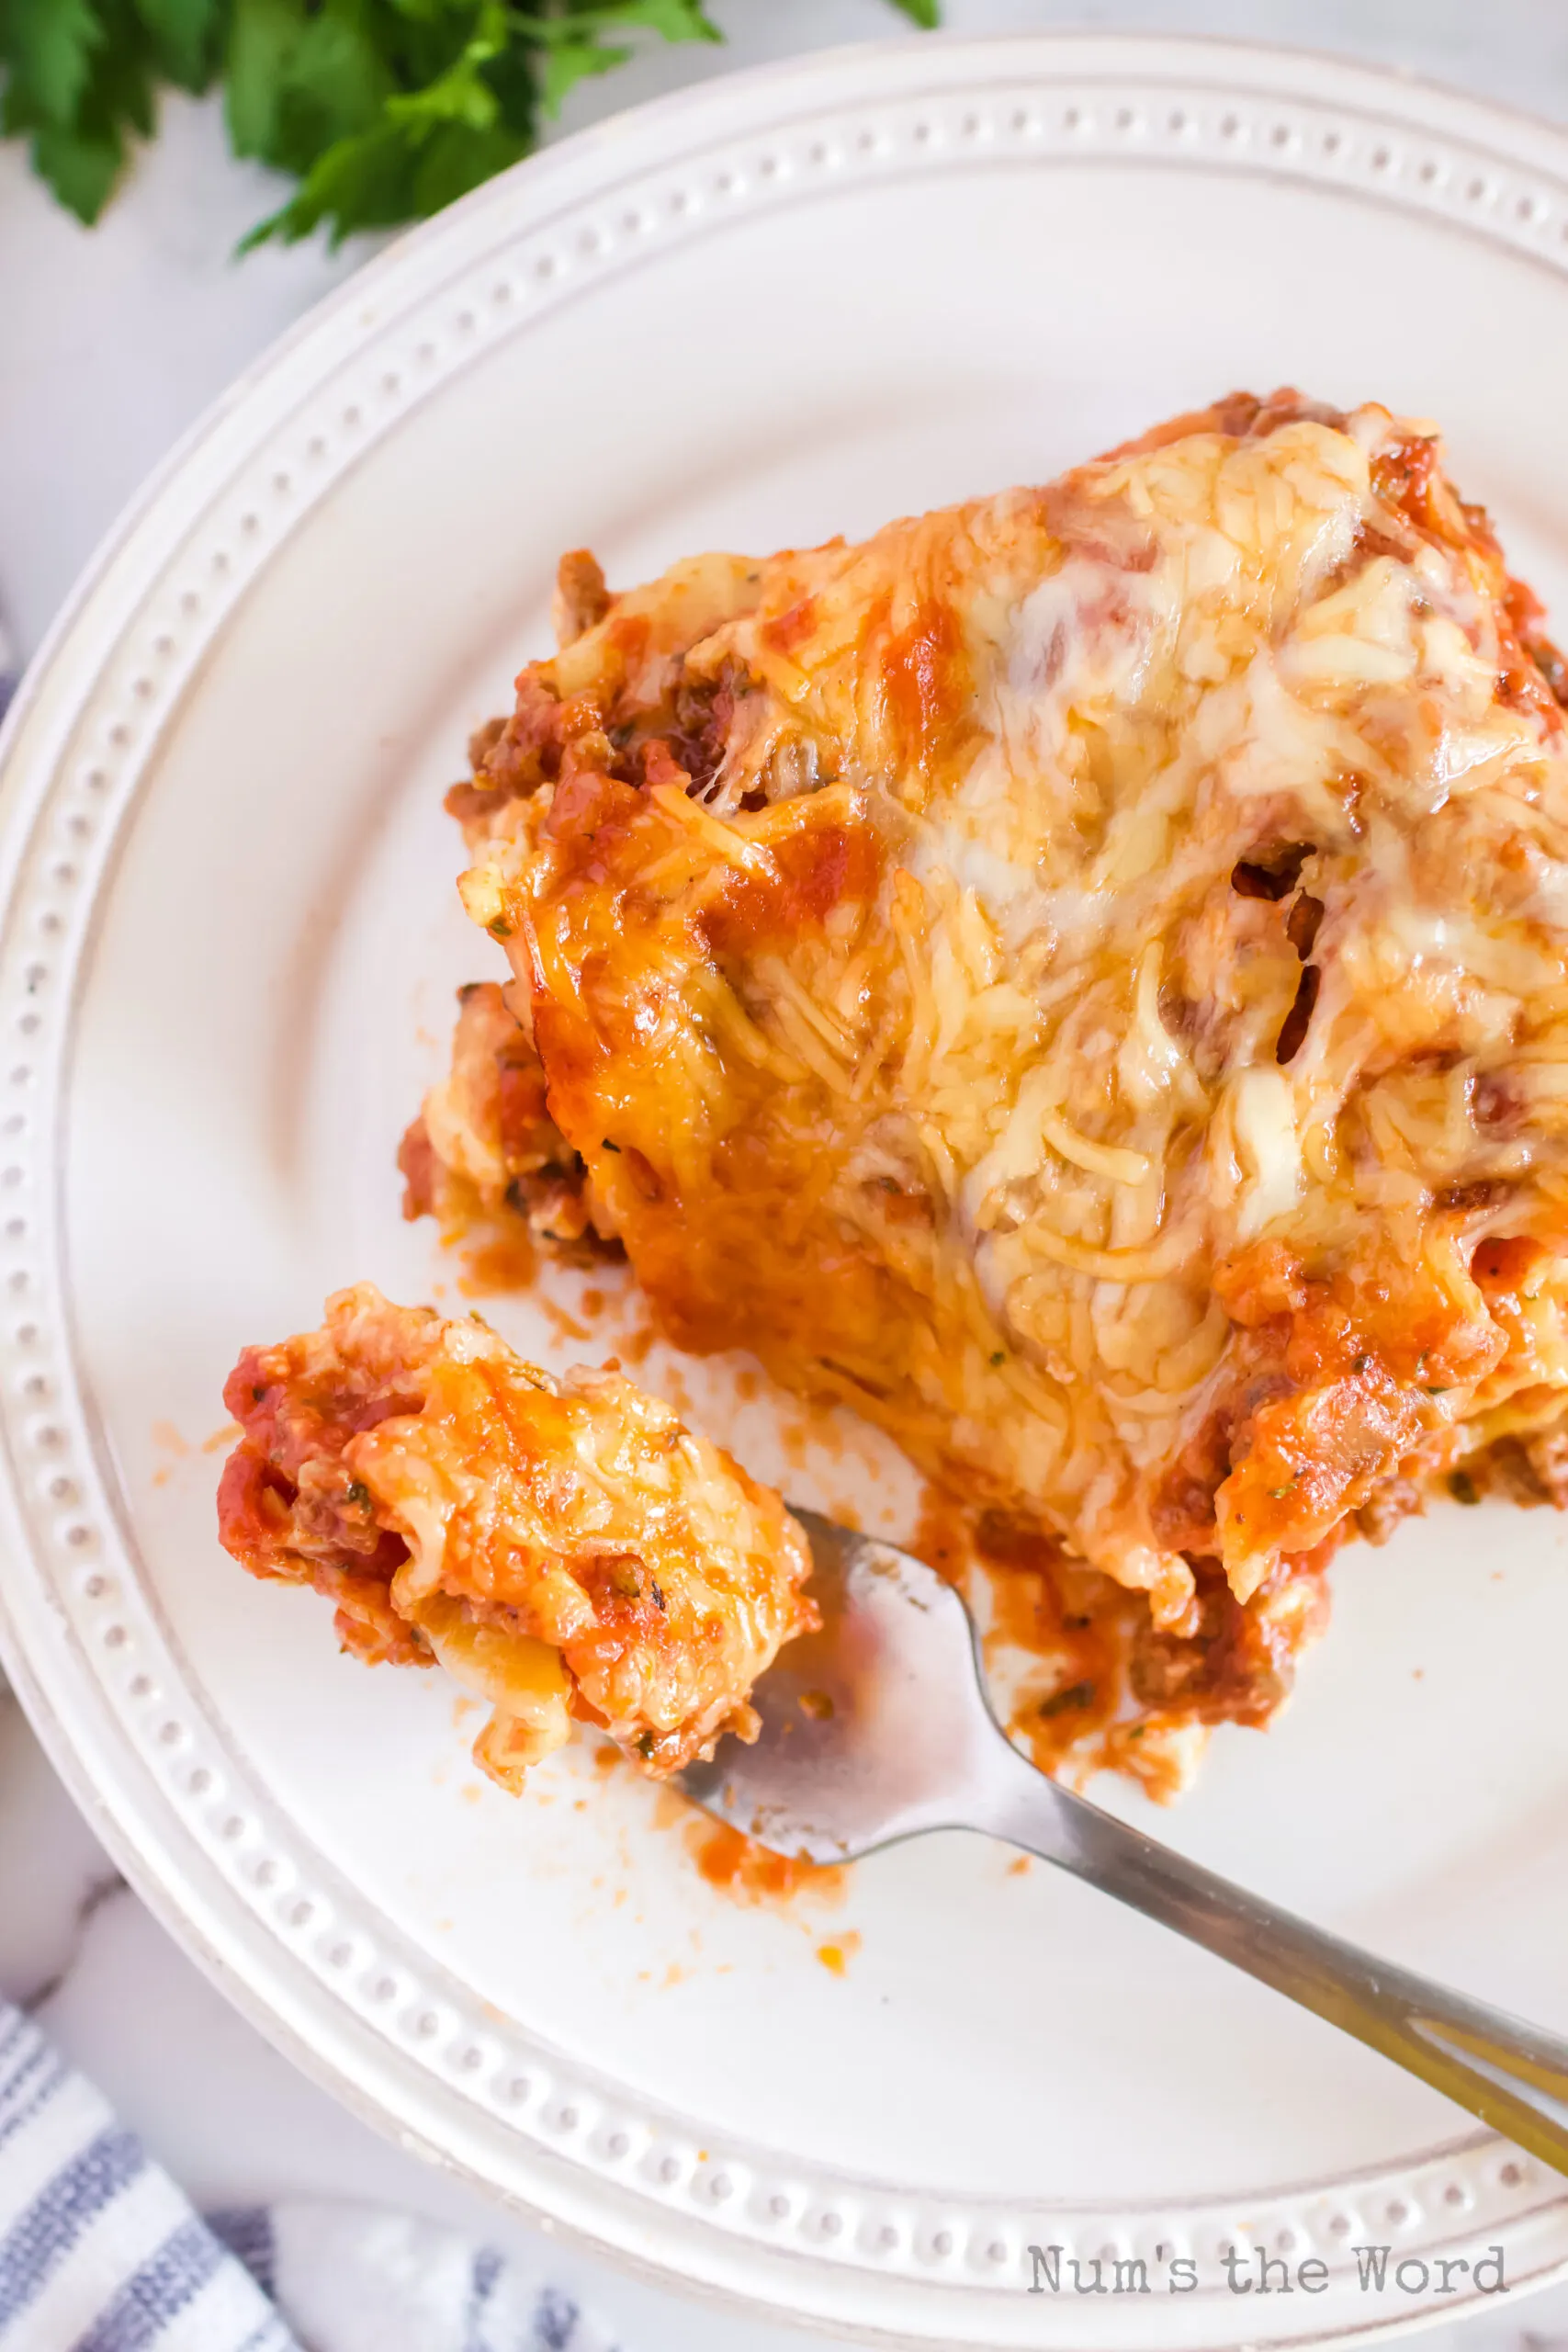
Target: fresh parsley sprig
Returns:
[381, 110]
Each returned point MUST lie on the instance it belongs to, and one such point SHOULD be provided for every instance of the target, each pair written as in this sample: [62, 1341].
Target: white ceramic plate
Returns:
[770, 310]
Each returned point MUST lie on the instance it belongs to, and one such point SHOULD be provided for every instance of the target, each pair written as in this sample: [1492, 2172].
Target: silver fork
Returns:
[878, 1728]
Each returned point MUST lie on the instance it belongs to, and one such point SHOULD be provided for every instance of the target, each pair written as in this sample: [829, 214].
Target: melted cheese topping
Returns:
[1080, 976]
[560, 1547]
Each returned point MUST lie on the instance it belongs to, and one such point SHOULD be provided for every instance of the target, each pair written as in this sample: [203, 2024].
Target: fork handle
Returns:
[1511, 2075]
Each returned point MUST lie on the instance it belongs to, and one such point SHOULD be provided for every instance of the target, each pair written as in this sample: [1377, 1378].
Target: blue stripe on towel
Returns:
[247, 2232]
[19, 2038]
[32, 2088]
[98, 2252]
[156, 2293]
[554, 2321]
[481, 2287]
[44, 2233]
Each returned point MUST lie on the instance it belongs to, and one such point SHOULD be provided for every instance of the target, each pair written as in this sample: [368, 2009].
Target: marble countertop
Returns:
[112, 343]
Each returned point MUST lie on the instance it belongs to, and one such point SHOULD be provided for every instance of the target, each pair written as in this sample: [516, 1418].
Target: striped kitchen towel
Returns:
[99, 2252]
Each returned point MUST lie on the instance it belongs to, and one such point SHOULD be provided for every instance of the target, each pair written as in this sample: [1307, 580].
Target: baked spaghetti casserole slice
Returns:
[562, 1548]
[1082, 978]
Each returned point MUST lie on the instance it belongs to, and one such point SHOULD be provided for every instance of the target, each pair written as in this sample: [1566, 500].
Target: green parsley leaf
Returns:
[80, 156]
[122, 90]
[187, 37]
[924, 13]
[575, 48]
[381, 110]
[80, 168]
[370, 181]
[401, 124]
[334, 80]
[568, 62]
[48, 48]
[461, 94]
[261, 45]
[675, 19]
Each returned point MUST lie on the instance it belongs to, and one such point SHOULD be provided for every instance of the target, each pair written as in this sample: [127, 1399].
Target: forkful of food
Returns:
[568, 1549]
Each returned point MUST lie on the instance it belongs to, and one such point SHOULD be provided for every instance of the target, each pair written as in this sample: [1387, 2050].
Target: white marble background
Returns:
[110, 345]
